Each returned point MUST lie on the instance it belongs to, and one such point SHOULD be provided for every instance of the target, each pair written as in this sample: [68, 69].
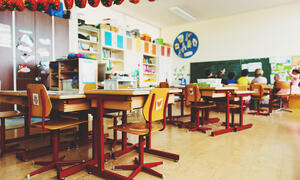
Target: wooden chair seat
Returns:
[10, 114]
[260, 98]
[138, 128]
[59, 123]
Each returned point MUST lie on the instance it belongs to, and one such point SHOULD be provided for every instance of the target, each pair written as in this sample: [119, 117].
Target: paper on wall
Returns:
[45, 42]
[252, 66]
[5, 36]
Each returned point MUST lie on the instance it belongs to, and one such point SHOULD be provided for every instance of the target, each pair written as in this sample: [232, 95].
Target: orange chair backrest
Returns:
[125, 86]
[239, 87]
[164, 85]
[282, 85]
[258, 90]
[91, 86]
[156, 104]
[39, 104]
[192, 93]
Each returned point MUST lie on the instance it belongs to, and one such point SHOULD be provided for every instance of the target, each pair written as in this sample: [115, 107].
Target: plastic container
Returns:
[160, 41]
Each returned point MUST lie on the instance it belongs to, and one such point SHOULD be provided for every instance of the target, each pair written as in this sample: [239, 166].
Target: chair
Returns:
[294, 102]
[259, 96]
[39, 105]
[285, 91]
[193, 97]
[164, 85]
[3, 116]
[239, 87]
[154, 110]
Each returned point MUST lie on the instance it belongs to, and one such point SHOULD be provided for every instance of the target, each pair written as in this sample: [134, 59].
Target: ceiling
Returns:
[158, 14]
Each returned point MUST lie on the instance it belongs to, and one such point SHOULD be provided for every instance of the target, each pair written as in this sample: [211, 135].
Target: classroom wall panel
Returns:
[61, 37]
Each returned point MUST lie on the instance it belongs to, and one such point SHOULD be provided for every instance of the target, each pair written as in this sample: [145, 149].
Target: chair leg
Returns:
[2, 136]
[56, 161]
[198, 127]
[140, 165]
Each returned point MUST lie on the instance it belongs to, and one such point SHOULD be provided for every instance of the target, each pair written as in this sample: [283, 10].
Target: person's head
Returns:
[295, 71]
[276, 77]
[245, 72]
[231, 75]
[258, 72]
[208, 73]
[220, 74]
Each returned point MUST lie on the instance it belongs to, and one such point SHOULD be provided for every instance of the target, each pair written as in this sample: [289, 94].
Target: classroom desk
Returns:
[62, 102]
[119, 100]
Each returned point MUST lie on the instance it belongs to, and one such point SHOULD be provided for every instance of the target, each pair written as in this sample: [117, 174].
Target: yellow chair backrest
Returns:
[192, 93]
[294, 102]
[90, 87]
[39, 103]
[239, 87]
[158, 106]
[125, 86]
[258, 90]
[164, 85]
[282, 85]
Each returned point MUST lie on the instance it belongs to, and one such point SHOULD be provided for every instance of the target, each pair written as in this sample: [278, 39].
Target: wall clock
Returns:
[186, 44]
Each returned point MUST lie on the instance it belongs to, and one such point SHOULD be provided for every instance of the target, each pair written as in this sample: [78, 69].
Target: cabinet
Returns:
[72, 74]
[88, 41]
[112, 51]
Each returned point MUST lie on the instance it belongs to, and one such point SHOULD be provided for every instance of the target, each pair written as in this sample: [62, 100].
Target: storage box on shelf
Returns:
[116, 83]
[72, 74]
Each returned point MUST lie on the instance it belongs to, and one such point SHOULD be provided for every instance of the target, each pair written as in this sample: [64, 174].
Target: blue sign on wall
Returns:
[186, 44]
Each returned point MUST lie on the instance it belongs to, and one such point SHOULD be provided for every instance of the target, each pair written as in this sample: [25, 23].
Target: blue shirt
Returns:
[231, 81]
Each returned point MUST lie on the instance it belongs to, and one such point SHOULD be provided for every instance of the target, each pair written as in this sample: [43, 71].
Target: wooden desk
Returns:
[121, 100]
[62, 101]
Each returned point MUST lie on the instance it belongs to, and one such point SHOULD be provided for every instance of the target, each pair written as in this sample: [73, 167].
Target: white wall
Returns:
[263, 33]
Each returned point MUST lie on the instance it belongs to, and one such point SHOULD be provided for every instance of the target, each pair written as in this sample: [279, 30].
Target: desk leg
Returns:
[99, 147]
[125, 147]
[26, 125]
[227, 126]
[83, 129]
[241, 125]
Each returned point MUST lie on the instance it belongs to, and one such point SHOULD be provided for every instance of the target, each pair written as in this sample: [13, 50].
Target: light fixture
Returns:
[180, 12]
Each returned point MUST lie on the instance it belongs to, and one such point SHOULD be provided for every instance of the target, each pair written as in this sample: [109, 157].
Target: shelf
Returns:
[149, 64]
[149, 55]
[70, 72]
[87, 41]
[149, 73]
[88, 52]
[112, 48]
[114, 60]
[86, 28]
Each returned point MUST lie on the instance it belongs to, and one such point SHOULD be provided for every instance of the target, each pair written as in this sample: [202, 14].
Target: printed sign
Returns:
[159, 104]
[35, 99]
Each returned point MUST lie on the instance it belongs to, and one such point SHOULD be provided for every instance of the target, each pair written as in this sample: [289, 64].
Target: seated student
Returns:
[220, 74]
[208, 74]
[259, 77]
[276, 80]
[244, 81]
[295, 75]
[231, 79]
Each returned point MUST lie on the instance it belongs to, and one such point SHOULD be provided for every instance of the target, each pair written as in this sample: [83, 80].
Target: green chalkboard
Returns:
[198, 69]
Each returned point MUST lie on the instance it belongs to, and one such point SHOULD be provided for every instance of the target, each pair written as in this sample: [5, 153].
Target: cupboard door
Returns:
[120, 41]
[107, 38]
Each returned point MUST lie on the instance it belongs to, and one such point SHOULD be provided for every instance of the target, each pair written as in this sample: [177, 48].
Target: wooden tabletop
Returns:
[217, 88]
[128, 92]
[52, 94]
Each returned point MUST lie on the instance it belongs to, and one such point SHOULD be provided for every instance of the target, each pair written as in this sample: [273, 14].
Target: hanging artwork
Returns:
[186, 44]
[118, 2]
[7, 5]
[80, 3]
[42, 5]
[2, 8]
[18, 5]
[94, 3]
[107, 3]
[69, 4]
[54, 4]
[134, 1]
[31, 5]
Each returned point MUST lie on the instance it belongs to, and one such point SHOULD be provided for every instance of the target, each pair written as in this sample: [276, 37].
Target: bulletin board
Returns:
[186, 44]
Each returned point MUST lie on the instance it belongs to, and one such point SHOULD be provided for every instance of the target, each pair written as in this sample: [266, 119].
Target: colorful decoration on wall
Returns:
[134, 1]
[80, 3]
[94, 3]
[107, 3]
[54, 4]
[7, 5]
[69, 4]
[186, 44]
[18, 5]
[31, 5]
[2, 8]
[118, 2]
[42, 5]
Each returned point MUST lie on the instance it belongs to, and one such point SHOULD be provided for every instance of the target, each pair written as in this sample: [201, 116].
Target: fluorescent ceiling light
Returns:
[180, 12]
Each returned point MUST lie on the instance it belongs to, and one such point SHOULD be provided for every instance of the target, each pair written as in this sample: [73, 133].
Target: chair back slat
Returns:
[282, 85]
[164, 85]
[258, 90]
[156, 110]
[192, 93]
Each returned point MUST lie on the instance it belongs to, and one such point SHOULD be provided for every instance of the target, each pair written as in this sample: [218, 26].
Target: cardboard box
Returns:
[114, 29]
[105, 26]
